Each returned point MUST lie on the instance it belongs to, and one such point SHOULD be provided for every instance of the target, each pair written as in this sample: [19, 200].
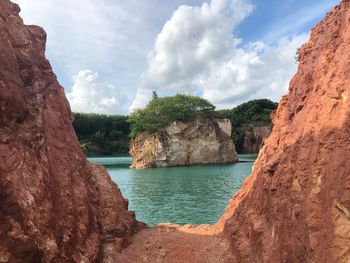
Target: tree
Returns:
[102, 134]
[160, 112]
[154, 94]
[254, 112]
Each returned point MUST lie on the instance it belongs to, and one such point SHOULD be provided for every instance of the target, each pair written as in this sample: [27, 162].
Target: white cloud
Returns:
[91, 96]
[197, 52]
[190, 43]
[258, 71]
[93, 32]
[112, 37]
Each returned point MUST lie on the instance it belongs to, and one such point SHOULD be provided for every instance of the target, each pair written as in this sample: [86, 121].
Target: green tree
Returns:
[160, 112]
[154, 94]
[100, 134]
[254, 112]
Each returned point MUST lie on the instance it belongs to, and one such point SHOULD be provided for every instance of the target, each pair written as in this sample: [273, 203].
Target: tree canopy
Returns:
[160, 112]
[254, 112]
[110, 134]
[102, 134]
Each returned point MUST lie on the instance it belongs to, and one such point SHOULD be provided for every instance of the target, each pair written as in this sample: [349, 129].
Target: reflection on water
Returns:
[181, 195]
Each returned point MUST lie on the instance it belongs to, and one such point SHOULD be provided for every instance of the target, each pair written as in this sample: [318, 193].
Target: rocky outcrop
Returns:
[295, 207]
[201, 141]
[254, 137]
[54, 205]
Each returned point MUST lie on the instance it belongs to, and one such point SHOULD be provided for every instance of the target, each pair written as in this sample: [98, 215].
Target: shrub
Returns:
[160, 112]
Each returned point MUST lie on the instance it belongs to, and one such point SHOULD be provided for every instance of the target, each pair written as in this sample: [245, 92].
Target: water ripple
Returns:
[181, 195]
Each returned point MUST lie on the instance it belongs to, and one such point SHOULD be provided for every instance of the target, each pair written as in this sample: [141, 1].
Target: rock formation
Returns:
[254, 137]
[295, 207]
[201, 141]
[54, 205]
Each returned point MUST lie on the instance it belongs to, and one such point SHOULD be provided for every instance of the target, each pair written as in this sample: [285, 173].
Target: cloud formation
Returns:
[111, 37]
[257, 71]
[202, 49]
[91, 96]
[197, 52]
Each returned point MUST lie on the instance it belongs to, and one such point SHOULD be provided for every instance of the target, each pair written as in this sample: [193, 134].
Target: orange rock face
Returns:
[54, 205]
[57, 207]
[295, 207]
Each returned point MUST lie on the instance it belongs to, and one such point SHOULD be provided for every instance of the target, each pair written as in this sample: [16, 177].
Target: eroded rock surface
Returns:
[295, 207]
[201, 141]
[254, 137]
[54, 205]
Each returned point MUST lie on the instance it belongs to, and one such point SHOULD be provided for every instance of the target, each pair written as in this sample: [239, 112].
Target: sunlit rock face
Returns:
[54, 205]
[201, 141]
[295, 207]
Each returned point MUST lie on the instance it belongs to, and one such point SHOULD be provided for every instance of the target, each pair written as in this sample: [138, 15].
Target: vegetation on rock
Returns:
[110, 134]
[160, 112]
[251, 113]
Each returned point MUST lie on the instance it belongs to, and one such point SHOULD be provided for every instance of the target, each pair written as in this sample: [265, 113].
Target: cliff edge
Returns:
[295, 206]
[201, 141]
[54, 205]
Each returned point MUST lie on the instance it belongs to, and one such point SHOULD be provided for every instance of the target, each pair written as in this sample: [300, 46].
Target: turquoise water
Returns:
[181, 195]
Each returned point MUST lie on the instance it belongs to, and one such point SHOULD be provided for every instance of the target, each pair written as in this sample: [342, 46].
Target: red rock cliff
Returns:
[54, 205]
[295, 207]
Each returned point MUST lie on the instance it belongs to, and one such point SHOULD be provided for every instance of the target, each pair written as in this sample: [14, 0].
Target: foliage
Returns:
[102, 134]
[160, 112]
[254, 112]
[109, 134]
[238, 139]
[154, 94]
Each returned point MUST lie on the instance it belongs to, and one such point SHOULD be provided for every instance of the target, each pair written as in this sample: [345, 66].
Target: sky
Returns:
[110, 55]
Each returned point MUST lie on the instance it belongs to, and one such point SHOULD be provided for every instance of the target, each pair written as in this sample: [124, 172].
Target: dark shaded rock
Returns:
[54, 205]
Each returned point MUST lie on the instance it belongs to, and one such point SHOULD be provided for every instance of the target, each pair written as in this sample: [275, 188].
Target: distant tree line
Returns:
[254, 113]
[102, 134]
[110, 134]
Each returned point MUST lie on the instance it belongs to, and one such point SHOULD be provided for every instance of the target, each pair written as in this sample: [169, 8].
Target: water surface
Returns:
[181, 195]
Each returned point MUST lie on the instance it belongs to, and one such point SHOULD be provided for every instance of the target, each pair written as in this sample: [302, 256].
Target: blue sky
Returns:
[109, 55]
[272, 18]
